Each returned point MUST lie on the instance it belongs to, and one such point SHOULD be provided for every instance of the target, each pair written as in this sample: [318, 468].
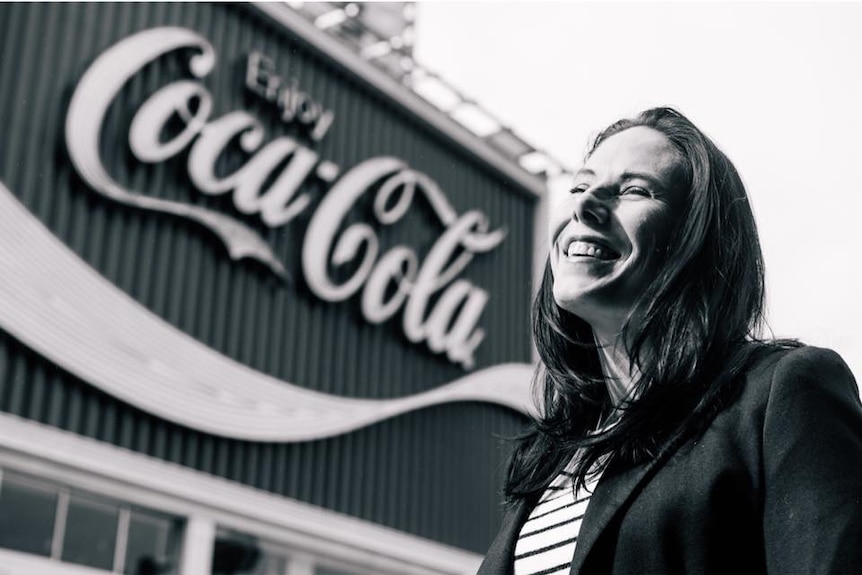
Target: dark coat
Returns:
[773, 485]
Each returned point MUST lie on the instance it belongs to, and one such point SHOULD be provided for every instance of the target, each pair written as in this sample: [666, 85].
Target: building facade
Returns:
[262, 309]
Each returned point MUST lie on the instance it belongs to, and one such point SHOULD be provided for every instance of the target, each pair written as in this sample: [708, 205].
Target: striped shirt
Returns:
[546, 544]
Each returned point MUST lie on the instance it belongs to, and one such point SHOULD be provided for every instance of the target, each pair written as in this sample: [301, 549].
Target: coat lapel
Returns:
[616, 488]
[614, 491]
[610, 496]
[500, 557]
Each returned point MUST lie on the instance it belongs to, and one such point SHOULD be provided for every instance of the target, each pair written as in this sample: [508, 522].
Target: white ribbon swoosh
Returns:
[60, 307]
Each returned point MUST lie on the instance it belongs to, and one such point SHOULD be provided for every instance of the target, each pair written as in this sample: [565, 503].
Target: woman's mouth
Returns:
[582, 248]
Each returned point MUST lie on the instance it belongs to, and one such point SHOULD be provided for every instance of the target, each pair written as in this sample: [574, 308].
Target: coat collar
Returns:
[614, 492]
[616, 489]
[501, 556]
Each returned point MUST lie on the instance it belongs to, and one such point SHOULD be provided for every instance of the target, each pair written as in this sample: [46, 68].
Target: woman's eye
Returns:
[578, 189]
[635, 190]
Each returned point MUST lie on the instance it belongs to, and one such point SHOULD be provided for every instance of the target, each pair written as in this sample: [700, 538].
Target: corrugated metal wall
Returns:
[432, 473]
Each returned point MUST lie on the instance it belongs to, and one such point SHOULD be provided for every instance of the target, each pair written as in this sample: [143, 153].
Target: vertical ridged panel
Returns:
[435, 472]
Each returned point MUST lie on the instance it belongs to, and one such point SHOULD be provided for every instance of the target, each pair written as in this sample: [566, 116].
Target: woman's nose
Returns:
[589, 207]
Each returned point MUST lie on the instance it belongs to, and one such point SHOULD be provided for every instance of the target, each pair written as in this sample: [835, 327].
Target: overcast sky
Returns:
[778, 86]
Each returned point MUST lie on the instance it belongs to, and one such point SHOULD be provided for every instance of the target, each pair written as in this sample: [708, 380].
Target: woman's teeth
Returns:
[588, 249]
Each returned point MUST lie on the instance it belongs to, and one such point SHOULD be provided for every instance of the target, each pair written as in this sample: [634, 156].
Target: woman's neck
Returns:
[619, 371]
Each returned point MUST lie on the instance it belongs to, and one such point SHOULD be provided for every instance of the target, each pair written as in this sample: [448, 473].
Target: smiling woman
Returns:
[609, 232]
[672, 438]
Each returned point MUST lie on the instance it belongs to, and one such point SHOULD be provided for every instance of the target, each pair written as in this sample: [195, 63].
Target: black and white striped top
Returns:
[546, 544]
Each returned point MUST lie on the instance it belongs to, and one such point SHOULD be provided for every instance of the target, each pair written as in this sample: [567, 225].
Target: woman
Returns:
[673, 440]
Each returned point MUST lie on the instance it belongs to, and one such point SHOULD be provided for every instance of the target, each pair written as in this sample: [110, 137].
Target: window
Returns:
[27, 514]
[77, 527]
[152, 543]
[50, 526]
[238, 553]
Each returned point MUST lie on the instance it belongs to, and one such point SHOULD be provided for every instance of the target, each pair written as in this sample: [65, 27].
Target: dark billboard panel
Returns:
[225, 250]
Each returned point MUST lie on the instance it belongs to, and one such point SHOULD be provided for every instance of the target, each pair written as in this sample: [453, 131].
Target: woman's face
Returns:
[607, 231]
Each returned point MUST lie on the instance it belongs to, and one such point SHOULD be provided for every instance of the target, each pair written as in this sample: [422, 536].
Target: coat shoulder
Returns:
[783, 372]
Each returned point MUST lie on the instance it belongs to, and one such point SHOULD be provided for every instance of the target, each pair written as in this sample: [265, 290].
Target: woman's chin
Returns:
[579, 300]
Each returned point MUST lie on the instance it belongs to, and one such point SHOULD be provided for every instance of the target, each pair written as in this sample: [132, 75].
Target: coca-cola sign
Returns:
[439, 309]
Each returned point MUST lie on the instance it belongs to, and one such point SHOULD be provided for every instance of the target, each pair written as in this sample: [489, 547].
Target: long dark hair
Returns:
[689, 332]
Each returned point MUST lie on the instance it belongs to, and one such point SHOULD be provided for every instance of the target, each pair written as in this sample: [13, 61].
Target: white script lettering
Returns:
[450, 326]
[439, 309]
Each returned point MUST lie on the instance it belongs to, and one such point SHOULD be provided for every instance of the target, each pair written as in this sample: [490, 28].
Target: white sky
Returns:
[778, 86]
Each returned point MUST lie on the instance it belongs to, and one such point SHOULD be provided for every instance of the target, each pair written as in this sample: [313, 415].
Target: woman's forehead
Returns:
[638, 152]
[638, 147]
